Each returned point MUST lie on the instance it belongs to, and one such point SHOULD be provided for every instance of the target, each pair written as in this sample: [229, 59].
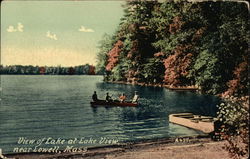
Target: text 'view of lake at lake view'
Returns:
[53, 107]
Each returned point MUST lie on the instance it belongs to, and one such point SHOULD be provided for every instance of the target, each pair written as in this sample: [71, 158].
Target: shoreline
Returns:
[180, 88]
[114, 151]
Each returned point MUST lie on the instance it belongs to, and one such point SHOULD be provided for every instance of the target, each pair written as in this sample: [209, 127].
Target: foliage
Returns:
[176, 66]
[104, 47]
[237, 85]
[45, 70]
[234, 114]
[182, 43]
[153, 70]
[204, 43]
[206, 72]
[117, 73]
[113, 55]
[224, 43]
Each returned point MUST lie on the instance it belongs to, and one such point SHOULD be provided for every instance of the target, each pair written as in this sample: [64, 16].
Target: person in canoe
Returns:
[94, 97]
[135, 98]
[108, 98]
[122, 98]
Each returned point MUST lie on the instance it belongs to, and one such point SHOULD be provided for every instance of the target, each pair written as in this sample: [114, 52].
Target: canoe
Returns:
[113, 103]
[198, 122]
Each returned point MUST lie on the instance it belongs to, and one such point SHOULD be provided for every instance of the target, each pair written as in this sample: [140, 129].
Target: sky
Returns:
[55, 33]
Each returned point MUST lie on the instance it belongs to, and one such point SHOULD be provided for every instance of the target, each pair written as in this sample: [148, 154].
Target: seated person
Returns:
[94, 97]
[108, 98]
[135, 98]
[122, 98]
[1, 154]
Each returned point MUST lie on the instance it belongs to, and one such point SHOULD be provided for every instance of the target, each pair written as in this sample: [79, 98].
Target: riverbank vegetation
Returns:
[179, 44]
[46, 70]
[234, 116]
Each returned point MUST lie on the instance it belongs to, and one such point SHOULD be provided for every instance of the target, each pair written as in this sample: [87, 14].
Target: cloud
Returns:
[83, 29]
[19, 28]
[11, 29]
[51, 36]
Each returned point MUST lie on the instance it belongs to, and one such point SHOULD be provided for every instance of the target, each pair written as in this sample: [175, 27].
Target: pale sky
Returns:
[55, 33]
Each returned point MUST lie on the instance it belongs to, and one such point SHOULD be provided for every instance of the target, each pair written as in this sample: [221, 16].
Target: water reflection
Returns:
[150, 118]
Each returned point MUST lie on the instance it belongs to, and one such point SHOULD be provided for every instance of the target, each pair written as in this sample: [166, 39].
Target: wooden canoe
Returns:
[113, 103]
[198, 122]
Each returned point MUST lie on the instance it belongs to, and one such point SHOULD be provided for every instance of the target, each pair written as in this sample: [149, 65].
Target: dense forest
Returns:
[45, 70]
[179, 43]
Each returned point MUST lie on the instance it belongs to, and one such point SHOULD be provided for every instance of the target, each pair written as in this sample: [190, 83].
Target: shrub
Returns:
[234, 116]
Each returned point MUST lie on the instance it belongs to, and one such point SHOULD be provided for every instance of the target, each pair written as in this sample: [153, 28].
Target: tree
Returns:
[207, 73]
[113, 55]
[104, 47]
[200, 43]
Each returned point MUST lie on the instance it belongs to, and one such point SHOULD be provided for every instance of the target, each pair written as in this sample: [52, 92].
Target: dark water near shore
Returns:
[58, 106]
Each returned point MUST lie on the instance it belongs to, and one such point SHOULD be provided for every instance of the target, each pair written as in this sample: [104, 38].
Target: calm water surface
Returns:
[58, 107]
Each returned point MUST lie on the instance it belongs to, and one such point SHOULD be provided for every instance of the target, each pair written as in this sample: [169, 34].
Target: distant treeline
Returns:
[45, 70]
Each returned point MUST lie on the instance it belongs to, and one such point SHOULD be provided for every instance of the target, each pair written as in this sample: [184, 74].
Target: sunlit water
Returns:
[58, 106]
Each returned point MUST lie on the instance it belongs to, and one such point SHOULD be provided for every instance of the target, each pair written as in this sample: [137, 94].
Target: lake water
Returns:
[40, 106]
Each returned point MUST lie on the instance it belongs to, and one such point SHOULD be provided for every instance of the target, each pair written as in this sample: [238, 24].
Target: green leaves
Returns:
[234, 118]
[104, 47]
[216, 34]
[153, 70]
[206, 72]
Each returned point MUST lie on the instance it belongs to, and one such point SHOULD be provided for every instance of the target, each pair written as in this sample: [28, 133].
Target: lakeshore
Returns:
[196, 147]
[179, 88]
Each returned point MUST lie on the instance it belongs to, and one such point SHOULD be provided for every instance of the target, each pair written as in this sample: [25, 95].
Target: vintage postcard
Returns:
[160, 79]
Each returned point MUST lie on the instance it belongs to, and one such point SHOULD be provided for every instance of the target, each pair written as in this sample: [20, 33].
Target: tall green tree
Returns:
[104, 47]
